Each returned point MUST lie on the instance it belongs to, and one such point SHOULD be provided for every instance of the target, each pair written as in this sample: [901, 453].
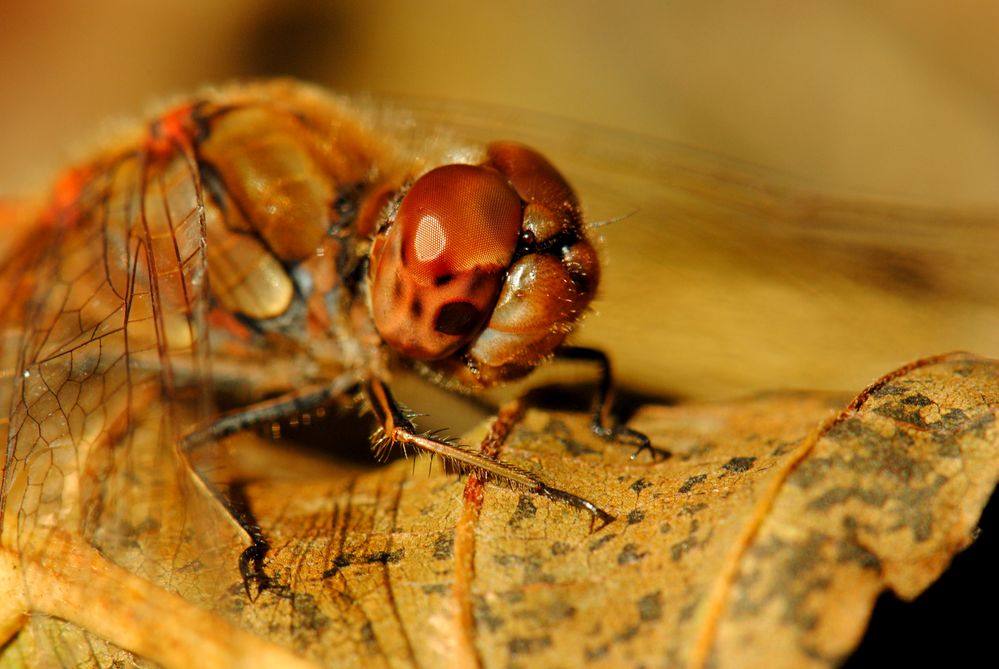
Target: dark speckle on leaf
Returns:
[918, 400]
[810, 472]
[650, 606]
[384, 557]
[444, 546]
[508, 559]
[629, 554]
[560, 548]
[435, 589]
[379, 557]
[783, 447]
[840, 495]
[851, 552]
[689, 484]
[678, 549]
[889, 390]
[601, 541]
[687, 612]
[953, 419]
[597, 652]
[636, 516]
[946, 447]
[739, 465]
[692, 509]
[629, 632]
[368, 634]
[528, 645]
[486, 616]
[640, 485]
[903, 412]
[525, 510]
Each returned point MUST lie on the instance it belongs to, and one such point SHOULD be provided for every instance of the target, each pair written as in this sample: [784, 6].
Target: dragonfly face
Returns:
[481, 271]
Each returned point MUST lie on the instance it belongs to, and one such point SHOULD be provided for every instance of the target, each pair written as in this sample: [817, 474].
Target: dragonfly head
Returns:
[483, 270]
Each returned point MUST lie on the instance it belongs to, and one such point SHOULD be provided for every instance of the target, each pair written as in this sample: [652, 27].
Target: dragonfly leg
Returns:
[603, 423]
[234, 499]
[251, 560]
[397, 429]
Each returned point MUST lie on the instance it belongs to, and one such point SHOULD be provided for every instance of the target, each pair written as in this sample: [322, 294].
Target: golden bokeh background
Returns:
[898, 99]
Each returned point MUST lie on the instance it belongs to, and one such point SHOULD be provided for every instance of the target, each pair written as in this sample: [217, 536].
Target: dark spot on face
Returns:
[443, 279]
[416, 308]
[457, 318]
[342, 206]
[403, 255]
[478, 279]
[397, 288]
[581, 281]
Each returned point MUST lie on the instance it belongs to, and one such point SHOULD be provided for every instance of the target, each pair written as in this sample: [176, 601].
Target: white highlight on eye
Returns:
[430, 239]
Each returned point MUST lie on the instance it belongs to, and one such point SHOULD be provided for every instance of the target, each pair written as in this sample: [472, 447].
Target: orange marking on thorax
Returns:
[174, 128]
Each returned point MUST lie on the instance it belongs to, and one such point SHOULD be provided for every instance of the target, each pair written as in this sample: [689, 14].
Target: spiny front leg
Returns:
[397, 429]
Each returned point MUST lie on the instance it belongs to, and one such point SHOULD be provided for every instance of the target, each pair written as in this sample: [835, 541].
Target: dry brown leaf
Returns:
[763, 541]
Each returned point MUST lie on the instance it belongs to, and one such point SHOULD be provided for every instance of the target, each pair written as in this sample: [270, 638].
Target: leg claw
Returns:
[626, 435]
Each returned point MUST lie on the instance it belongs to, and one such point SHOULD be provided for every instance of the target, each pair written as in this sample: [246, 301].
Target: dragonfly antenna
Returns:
[607, 221]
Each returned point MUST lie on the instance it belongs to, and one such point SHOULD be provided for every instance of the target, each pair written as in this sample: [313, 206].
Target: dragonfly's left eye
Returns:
[437, 273]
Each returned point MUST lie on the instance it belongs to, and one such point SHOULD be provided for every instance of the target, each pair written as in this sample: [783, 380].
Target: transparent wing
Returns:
[723, 278]
[106, 358]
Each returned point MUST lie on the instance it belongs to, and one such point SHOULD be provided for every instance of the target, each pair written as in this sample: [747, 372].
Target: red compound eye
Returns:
[438, 272]
[455, 219]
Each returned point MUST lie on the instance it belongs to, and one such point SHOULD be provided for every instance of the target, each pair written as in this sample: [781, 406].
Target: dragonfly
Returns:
[265, 251]
[261, 248]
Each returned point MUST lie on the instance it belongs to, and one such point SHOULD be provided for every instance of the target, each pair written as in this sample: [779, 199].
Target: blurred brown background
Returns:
[900, 99]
